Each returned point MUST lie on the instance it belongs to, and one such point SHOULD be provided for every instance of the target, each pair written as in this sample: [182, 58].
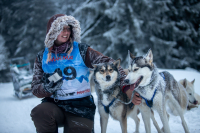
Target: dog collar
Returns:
[106, 108]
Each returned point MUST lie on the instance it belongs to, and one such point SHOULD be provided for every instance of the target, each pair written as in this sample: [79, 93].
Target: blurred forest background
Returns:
[171, 28]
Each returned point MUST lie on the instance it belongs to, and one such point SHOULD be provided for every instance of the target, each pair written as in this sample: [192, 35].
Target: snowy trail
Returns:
[15, 113]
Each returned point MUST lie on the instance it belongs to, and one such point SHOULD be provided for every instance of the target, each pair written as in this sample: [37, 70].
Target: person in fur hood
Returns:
[61, 78]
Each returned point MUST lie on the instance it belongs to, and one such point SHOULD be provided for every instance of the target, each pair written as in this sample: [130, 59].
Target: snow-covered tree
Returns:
[169, 27]
[23, 23]
[3, 55]
[23, 26]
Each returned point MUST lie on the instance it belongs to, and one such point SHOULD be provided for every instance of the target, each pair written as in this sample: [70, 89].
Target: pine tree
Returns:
[23, 26]
[169, 27]
[3, 55]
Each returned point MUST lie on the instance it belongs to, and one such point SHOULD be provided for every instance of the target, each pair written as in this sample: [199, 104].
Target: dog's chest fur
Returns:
[157, 84]
[106, 98]
[117, 109]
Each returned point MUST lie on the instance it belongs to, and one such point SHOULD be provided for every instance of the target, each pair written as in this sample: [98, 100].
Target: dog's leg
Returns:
[123, 124]
[133, 114]
[168, 121]
[180, 112]
[161, 109]
[155, 122]
[159, 105]
[103, 119]
[146, 115]
[163, 116]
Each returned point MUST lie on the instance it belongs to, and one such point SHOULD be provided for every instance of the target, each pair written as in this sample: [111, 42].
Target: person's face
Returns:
[63, 36]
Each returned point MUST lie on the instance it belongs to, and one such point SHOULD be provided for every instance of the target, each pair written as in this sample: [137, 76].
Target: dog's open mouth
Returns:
[133, 86]
[195, 102]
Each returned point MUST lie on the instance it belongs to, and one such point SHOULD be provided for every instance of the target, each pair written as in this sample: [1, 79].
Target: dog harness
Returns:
[106, 108]
[150, 102]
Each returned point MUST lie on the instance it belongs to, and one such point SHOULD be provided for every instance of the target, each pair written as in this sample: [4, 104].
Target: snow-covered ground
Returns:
[15, 113]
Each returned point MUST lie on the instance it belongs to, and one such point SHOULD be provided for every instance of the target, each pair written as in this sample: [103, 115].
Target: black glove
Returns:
[51, 87]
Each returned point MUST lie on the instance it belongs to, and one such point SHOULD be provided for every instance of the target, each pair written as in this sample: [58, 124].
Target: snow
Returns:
[15, 113]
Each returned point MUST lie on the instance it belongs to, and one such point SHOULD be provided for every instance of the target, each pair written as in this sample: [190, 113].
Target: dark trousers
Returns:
[47, 117]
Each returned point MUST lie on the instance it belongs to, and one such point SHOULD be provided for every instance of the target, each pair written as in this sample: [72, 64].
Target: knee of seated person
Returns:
[41, 111]
[43, 118]
[38, 110]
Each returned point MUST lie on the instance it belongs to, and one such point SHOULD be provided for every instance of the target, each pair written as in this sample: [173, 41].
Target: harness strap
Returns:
[150, 102]
[161, 74]
[106, 108]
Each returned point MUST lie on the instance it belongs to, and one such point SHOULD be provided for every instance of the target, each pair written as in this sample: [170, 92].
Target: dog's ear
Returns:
[185, 82]
[193, 81]
[94, 65]
[117, 62]
[149, 56]
[130, 57]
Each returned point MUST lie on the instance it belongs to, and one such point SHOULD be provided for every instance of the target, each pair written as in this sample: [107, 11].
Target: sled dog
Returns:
[193, 97]
[183, 101]
[106, 81]
[155, 89]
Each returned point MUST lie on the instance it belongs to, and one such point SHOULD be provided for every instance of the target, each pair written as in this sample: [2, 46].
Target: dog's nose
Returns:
[108, 78]
[195, 102]
[126, 81]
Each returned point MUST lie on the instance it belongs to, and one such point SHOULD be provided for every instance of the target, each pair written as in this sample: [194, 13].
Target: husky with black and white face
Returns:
[155, 89]
[107, 75]
[105, 79]
[143, 74]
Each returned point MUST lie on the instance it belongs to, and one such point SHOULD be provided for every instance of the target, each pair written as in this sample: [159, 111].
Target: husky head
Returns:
[106, 75]
[189, 86]
[140, 70]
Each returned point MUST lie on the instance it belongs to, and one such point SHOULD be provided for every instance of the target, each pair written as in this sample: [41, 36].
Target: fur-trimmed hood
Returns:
[55, 26]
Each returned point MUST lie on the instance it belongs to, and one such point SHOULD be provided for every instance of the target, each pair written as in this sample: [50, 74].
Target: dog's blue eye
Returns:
[111, 70]
[135, 69]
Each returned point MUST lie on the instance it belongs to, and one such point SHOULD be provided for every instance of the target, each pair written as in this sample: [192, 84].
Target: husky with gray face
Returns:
[106, 81]
[155, 89]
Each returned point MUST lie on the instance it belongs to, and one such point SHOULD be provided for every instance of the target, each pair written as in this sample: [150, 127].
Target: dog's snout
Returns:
[108, 78]
[126, 81]
[195, 102]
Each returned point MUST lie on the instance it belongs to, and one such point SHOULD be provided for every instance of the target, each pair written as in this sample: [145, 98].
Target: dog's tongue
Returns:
[132, 87]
